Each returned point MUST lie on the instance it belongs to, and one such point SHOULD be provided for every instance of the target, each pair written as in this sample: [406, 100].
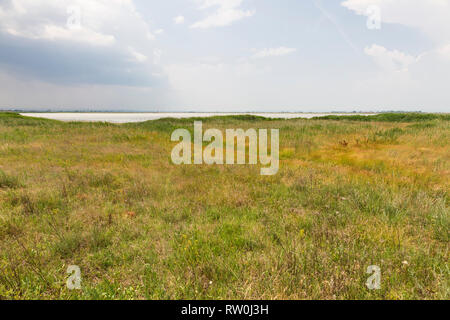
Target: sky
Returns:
[225, 55]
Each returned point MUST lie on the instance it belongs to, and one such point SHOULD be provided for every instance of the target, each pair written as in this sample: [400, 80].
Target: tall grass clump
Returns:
[9, 181]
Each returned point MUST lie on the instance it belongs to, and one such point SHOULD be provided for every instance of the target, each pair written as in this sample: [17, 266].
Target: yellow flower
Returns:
[302, 233]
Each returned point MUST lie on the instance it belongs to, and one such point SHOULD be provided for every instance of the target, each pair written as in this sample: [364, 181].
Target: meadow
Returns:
[350, 192]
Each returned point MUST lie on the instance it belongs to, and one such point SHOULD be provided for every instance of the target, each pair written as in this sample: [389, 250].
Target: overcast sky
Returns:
[225, 55]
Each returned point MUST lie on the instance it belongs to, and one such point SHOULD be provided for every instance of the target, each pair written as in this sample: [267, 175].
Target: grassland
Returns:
[351, 192]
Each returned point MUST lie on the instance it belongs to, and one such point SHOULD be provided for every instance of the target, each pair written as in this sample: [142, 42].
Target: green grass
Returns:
[390, 117]
[351, 192]
[8, 181]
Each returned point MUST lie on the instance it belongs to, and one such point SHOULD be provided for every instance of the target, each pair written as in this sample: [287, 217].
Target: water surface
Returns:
[139, 117]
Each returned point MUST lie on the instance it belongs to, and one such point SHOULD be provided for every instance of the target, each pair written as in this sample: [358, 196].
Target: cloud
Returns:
[390, 60]
[412, 82]
[423, 87]
[138, 57]
[432, 17]
[94, 22]
[76, 41]
[227, 12]
[41, 95]
[274, 52]
[178, 20]
[54, 33]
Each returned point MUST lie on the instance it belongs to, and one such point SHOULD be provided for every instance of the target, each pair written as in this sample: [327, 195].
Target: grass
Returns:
[390, 117]
[351, 192]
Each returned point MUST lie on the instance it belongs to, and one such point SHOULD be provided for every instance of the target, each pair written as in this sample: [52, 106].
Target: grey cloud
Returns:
[65, 62]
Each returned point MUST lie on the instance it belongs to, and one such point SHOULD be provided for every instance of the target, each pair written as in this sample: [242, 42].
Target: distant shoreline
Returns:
[130, 117]
[220, 112]
[214, 112]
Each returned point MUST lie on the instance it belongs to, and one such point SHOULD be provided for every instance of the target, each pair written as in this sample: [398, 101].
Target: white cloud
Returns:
[96, 21]
[274, 52]
[178, 20]
[82, 34]
[227, 12]
[390, 60]
[432, 17]
[159, 31]
[138, 57]
[95, 41]
[424, 87]
[412, 82]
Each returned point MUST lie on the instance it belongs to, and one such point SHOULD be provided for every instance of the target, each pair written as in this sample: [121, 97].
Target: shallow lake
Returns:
[139, 117]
